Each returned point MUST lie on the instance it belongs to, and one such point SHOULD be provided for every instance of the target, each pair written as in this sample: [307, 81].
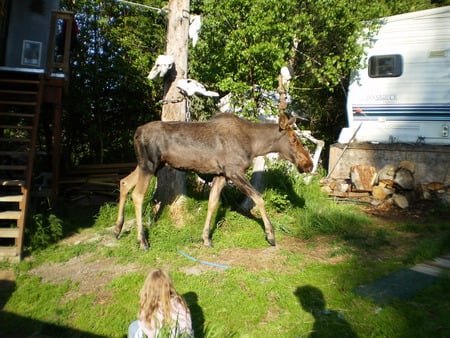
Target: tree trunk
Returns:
[171, 182]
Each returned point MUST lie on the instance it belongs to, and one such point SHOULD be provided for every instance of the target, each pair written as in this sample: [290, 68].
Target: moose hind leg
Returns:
[244, 185]
[214, 196]
[138, 199]
[126, 184]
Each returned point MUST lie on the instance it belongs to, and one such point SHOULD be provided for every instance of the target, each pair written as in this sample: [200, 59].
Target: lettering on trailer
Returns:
[385, 98]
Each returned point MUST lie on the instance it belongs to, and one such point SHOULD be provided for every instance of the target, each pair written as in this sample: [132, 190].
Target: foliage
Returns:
[109, 93]
[279, 202]
[43, 230]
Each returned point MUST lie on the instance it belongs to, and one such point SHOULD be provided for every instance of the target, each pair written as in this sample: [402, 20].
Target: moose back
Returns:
[224, 146]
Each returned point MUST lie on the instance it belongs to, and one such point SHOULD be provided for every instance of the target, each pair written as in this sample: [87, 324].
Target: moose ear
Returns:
[284, 122]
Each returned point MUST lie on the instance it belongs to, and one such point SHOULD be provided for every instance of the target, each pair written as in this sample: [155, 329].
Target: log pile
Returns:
[391, 185]
[94, 182]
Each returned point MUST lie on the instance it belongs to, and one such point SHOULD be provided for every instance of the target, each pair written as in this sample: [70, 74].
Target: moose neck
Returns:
[266, 137]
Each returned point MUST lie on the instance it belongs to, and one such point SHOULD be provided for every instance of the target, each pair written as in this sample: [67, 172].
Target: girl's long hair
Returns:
[156, 294]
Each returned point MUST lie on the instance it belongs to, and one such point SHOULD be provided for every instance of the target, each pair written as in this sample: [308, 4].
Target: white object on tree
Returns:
[224, 104]
[195, 23]
[286, 77]
[191, 87]
[162, 65]
[319, 146]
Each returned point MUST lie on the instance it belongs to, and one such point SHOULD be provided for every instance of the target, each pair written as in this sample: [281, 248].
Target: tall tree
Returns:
[172, 182]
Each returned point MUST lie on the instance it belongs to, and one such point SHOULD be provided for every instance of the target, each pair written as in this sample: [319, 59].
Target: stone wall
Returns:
[432, 162]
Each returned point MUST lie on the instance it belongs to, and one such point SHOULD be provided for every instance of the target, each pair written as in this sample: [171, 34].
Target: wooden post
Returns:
[174, 103]
[174, 107]
[282, 105]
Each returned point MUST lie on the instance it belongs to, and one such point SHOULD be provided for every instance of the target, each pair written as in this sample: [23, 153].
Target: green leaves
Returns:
[43, 230]
[243, 44]
[247, 41]
[109, 92]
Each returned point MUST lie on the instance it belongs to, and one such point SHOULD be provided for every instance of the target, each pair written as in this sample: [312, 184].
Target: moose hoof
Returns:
[208, 244]
[145, 247]
[271, 241]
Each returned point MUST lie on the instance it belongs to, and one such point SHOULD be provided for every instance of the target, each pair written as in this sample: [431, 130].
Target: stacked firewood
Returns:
[96, 181]
[392, 184]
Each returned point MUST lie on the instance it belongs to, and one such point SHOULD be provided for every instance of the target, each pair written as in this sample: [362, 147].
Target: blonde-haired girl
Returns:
[162, 311]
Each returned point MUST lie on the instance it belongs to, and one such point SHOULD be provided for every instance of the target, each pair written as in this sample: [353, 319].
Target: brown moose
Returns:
[224, 146]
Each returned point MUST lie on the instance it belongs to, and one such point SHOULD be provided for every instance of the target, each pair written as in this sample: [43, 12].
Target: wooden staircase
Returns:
[21, 98]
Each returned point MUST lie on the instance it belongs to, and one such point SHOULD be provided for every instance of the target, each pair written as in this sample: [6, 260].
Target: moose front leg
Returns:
[244, 185]
[217, 185]
[268, 227]
[126, 184]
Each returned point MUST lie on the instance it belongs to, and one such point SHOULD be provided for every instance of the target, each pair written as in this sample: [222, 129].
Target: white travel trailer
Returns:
[403, 95]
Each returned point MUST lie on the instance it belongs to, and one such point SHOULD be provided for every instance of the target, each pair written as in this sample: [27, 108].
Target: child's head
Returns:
[158, 286]
[156, 294]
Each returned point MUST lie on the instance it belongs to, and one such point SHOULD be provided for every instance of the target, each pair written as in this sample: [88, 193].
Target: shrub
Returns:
[43, 230]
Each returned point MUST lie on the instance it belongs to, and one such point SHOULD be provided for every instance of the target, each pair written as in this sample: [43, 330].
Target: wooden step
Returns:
[18, 92]
[13, 167]
[18, 140]
[22, 81]
[10, 214]
[9, 232]
[14, 154]
[8, 251]
[11, 198]
[19, 103]
[5, 126]
[16, 114]
[11, 183]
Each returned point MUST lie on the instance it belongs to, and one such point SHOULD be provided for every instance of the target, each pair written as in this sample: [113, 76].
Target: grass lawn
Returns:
[86, 283]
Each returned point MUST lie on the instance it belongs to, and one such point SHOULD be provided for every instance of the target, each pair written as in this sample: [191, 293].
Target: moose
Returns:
[223, 147]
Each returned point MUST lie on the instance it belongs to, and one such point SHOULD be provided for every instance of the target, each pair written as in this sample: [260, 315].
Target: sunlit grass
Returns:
[341, 250]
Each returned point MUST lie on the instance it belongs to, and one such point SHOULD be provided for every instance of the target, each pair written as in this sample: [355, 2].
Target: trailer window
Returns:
[385, 65]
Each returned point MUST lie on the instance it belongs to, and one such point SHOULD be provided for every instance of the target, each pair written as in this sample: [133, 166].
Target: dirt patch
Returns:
[271, 258]
[249, 259]
[89, 275]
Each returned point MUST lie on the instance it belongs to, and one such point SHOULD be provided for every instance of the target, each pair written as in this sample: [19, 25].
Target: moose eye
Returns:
[293, 140]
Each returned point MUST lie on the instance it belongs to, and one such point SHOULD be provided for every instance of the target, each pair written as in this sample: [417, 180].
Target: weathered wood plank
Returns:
[10, 214]
[11, 198]
[9, 232]
[9, 251]
[12, 183]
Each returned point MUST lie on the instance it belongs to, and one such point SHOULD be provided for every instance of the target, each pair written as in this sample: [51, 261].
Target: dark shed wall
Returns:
[28, 33]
